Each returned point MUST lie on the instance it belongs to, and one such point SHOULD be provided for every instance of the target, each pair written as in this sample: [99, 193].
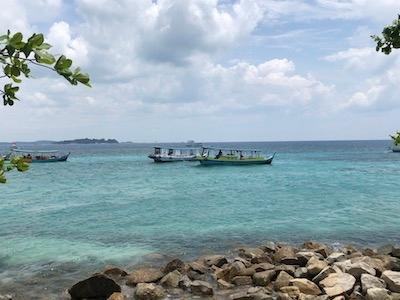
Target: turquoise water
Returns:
[111, 204]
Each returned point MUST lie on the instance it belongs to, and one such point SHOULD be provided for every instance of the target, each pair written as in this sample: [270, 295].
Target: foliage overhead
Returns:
[390, 38]
[396, 138]
[15, 163]
[17, 54]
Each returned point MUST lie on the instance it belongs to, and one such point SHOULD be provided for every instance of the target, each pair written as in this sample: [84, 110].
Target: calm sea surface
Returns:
[110, 204]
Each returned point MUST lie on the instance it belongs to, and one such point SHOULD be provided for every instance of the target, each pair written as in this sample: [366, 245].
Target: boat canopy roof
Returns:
[232, 149]
[178, 148]
[33, 151]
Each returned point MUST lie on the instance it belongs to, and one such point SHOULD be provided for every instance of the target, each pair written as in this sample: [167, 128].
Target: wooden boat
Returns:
[38, 156]
[174, 154]
[219, 156]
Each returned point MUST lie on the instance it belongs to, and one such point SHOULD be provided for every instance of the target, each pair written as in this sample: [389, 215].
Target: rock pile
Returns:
[271, 271]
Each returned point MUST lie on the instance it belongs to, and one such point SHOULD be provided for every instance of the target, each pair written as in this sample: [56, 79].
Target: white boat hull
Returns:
[396, 148]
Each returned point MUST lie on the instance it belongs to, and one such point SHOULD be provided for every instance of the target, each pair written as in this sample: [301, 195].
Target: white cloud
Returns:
[60, 37]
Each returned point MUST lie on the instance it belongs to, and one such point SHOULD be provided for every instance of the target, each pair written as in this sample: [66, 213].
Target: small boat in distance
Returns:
[171, 154]
[37, 156]
[220, 156]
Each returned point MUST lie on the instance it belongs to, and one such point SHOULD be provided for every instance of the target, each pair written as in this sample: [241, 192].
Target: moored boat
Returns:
[38, 156]
[220, 156]
[171, 154]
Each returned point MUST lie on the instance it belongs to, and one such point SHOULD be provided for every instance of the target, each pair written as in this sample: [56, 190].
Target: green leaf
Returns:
[3, 37]
[16, 41]
[62, 63]
[36, 40]
[44, 57]
[15, 79]
[44, 46]
[83, 78]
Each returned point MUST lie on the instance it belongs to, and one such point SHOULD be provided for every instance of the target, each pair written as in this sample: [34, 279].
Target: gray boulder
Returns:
[201, 288]
[378, 294]
[149, 291]
[144, 275]
[392, 280]
[368, 281]
[337, 284]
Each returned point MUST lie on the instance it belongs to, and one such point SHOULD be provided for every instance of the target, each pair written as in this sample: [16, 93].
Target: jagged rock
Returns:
[318, 248]
[269, 247]
[356, 269]
[283, 279]
[389, 262]
[234, 269]
[144, 275]
[287, 268]
[292, 291]
[377, 294]
[172, 279]
[114, 272]
[392, 280]
[301, 272]
[116, 296]
[304, 256]
[263, 278]
[245, 262]
[5, 297]
[324, 273]
[337, 283]
[223, 274]
[185, 282]
[283, 296]
[265, 258]
[306, 286]
[314, 266]
[250, 253]
[396, 251]
[286, 255]
[377, 262]
[247, 272]
[342, 265]
[242, 280]
[97, 286]
[197, 267]
[385, 249]
[175, 264]
[260, 267]
[149, 291]
[369, 252]
[368, 281]
[201, 288]
[215, 260]
[335, 257]
[222, 284]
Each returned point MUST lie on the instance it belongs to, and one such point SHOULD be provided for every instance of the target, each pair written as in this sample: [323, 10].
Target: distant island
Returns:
[88, 141]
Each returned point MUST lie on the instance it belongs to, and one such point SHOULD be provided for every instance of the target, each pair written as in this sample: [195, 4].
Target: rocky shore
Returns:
[270, 271]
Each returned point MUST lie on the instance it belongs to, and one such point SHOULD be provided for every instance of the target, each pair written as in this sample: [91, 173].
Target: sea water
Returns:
[110, 204]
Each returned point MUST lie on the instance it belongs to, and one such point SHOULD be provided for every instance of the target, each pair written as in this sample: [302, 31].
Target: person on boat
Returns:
[241, 155]
[219, 154]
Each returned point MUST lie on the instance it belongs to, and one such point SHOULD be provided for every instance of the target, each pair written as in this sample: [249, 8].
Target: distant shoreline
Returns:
[87, 141]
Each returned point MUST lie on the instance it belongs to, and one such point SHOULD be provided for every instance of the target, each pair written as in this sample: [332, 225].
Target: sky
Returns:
[208, 70]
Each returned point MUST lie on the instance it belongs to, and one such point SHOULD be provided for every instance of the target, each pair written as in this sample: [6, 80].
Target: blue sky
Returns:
[173, 70]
